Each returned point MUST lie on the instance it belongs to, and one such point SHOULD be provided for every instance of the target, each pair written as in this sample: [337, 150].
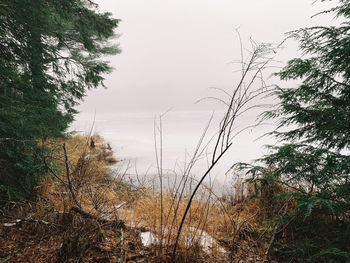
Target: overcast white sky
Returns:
[173, 50]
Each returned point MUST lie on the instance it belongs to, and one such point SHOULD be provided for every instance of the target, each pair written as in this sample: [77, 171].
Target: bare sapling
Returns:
[251, 87]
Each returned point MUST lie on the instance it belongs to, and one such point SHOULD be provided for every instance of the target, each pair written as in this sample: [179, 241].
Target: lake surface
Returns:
[131, 136]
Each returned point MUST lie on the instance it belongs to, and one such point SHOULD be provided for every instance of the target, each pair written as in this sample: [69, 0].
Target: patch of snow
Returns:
[205, 240]
[9, 224]
[148, 239]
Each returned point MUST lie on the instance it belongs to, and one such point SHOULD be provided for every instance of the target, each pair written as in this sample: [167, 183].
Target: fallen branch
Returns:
[19, 220]
[85, 214]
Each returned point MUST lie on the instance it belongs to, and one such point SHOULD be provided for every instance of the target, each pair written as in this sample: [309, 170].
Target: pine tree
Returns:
[50, 53]
[313, 158]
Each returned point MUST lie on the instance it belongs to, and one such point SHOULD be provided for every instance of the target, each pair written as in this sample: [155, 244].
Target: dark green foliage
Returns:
[313, 160]
[50, 55]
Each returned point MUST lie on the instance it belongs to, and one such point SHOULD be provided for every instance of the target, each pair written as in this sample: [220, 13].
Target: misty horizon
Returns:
[174, 51]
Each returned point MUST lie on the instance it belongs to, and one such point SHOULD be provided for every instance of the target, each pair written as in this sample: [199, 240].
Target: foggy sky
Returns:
[173, 50]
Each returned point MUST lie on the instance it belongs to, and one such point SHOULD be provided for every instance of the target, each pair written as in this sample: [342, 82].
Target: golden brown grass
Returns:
[236, 223]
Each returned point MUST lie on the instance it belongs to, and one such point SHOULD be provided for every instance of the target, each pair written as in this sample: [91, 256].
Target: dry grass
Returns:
[96, 187]
[229, 228]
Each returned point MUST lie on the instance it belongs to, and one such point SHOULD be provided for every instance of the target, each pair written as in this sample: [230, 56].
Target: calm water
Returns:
[131, 136]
